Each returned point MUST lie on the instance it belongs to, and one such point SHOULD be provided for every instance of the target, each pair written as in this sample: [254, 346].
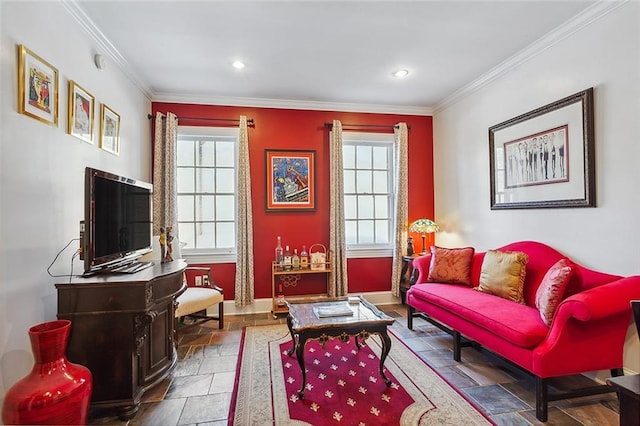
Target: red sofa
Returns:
[587, 332]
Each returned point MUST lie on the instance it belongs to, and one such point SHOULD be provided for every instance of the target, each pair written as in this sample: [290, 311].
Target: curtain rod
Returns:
[380, 126]
[250, 122]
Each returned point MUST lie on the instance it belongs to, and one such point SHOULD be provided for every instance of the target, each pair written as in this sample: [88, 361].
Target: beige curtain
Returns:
[400, 150]
[338, 285]
[244, 285]
[164, 177]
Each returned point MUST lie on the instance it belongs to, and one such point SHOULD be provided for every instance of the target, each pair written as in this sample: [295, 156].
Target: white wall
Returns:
[42, 169]
[605, 55]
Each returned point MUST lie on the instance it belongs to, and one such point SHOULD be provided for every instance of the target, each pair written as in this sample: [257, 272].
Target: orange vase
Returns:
[56, 391]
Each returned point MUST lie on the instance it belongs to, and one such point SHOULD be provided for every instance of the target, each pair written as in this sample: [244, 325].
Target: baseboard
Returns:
[261, 306]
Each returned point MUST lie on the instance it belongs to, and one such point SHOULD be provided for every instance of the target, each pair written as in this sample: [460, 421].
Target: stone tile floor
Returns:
[200, 388]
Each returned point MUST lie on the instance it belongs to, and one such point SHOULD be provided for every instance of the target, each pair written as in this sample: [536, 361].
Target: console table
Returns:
[122, 329]
[628, 389]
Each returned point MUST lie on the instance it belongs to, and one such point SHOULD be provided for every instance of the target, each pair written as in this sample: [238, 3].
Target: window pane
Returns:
[381, 207]
[204, 154]
[365, 232]
[185, 153]
[363, 184]
[380, 182]
[204, 207]
[350, 210]
[185, 208]
[382, 231]
[365, 207]
[185, 232]
[348, 156]
[225, 154]
[380, 157]
[204, 235]
[351, 232]
[205, 180]
[185, 180]
[349, 182]
[225, 207]
[225, 181]
[226, 234]
[363, 157]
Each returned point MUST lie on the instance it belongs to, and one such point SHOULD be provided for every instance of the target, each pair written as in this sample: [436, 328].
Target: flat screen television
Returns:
[118, 221]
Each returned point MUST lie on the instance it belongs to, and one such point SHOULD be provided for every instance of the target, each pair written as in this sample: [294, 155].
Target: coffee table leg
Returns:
[386, 347]
[300, 356]
[293, 336]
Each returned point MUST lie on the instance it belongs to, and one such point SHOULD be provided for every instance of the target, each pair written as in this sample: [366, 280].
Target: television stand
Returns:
[123, 329]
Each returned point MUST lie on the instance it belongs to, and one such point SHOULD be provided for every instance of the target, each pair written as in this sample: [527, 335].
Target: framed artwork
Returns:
[37, 87]
[109, 130]
[290, 180]
[546, 157]
[81, 115]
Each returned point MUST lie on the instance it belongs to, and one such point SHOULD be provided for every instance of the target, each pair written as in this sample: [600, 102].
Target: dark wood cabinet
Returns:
[123, 331]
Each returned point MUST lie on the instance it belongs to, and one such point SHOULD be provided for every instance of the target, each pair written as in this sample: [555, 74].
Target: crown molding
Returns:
[104, 45]
[290, 104]
[575, 24]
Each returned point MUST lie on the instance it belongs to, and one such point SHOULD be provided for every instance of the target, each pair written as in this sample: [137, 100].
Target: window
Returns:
[368, 193]
[207, 159]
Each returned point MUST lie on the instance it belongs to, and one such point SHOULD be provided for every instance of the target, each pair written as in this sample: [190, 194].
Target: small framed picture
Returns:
[290, 180]
[37, 87]
[81, 116]
[109, 130]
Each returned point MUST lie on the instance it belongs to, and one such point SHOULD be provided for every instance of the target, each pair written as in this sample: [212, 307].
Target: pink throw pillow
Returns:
[451, 265]
[551, 290]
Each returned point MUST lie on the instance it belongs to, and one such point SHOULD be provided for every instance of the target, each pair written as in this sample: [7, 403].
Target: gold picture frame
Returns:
[109, 130]
[81, 113]
[37, 87]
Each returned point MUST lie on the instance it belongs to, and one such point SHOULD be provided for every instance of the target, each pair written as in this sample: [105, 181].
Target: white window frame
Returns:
[384, 139]
[213, 255]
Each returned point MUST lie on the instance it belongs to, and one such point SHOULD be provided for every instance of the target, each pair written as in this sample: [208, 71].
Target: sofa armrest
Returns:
[592, 323]
[600, 302]
[421, 264]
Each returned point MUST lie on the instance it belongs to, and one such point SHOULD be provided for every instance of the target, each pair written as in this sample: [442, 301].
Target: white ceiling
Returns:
[336, 54]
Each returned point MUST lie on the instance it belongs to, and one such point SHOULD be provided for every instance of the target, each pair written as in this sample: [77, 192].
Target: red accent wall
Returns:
[303, 129]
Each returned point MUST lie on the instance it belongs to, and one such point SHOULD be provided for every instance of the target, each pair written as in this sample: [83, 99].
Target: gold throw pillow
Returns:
[503, 274]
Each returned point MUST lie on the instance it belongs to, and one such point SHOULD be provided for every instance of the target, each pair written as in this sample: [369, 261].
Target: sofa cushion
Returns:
[450, 265]
[518, 324]
[552, 289]
[503, 274]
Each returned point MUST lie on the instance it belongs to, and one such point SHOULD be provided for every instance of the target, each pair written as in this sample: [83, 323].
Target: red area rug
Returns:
[344, 385]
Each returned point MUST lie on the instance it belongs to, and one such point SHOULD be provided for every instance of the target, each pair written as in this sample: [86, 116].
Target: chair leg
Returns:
[410, 311]
[221, 315]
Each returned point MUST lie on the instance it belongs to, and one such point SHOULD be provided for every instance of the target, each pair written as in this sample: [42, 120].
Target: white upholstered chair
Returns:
[197, 302]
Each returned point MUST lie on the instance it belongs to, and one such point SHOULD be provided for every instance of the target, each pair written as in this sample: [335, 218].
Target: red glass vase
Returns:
[56, 391]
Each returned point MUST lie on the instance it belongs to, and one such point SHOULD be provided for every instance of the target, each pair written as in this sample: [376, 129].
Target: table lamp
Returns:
[424, 226]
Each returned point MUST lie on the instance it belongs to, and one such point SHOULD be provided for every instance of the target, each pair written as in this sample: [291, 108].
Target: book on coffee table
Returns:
[332, 311]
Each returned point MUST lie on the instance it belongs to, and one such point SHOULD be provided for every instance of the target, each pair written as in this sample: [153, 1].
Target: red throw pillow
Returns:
[451, 265]
[552, 288]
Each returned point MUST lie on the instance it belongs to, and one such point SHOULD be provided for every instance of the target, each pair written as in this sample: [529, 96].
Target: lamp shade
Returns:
[424, 226]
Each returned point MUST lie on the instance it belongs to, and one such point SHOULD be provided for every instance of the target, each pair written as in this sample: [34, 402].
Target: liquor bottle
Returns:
[280, 297]
[304, 258]
[295, 260]
[279, 254]
[286, 259]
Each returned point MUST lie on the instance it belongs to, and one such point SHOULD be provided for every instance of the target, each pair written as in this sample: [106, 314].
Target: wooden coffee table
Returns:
[304, 323]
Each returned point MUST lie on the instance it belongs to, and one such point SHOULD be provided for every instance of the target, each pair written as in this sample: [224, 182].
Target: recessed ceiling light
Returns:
[401, 73]
[238, 64]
